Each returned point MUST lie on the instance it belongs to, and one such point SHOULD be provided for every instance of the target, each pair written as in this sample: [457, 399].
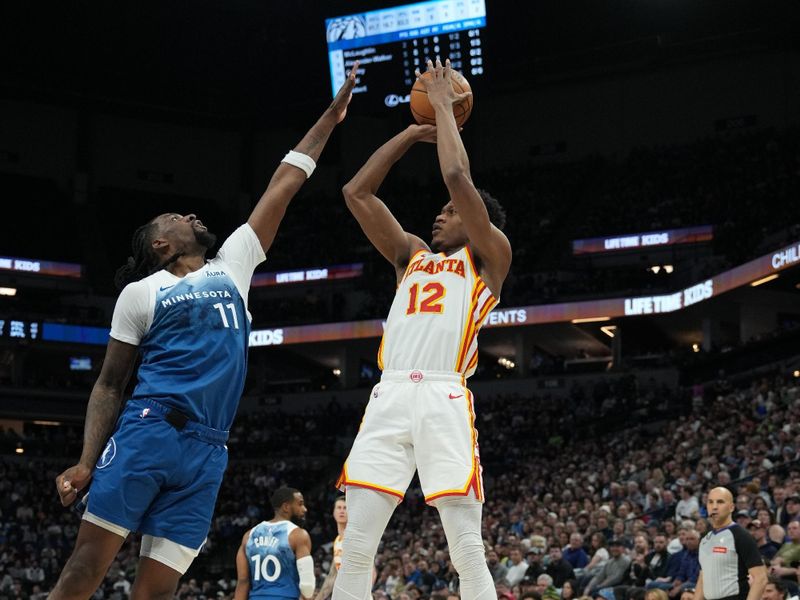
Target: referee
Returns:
[728, 554]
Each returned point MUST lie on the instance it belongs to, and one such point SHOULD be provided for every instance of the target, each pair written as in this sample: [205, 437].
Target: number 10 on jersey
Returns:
[261, 567]
[433, 293]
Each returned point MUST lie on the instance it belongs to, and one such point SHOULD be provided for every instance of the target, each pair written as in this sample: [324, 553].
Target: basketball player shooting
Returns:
[420, 415]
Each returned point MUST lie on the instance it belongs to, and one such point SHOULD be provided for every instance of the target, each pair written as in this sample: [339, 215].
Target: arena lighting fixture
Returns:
[764, 280]
[695, 347]
[796, 373]
[609, 330]
[654, 268]
[505, 362]
[668, 268]
[48, 423]
[591, 320]
[337, 372]
[20, 449]
[7, 291]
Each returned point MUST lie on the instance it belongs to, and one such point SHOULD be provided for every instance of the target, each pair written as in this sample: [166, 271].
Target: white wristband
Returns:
[301, 161]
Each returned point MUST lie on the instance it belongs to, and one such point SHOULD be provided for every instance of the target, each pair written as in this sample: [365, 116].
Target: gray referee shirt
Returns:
[726, 555]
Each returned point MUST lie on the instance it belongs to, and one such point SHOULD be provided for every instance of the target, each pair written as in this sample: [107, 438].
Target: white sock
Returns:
[368, 513]
[461, 521]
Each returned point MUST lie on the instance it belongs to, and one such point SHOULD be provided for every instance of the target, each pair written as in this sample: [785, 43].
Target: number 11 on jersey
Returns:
[230, 306]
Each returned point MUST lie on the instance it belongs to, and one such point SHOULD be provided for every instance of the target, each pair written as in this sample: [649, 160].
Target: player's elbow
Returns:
[456, 176]
[351, 191]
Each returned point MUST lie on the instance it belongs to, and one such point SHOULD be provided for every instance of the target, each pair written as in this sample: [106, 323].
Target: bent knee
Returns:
[81, 574]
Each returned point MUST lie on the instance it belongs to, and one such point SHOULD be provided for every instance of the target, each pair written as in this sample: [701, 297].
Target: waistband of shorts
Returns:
[420, 375]
[192, 428]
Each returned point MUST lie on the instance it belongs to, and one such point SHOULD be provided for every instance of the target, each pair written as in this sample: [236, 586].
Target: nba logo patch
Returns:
[415, 376]
[145, 412]
[109, 452]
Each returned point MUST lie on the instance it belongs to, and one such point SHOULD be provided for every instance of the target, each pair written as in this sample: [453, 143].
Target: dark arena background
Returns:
[647, 344]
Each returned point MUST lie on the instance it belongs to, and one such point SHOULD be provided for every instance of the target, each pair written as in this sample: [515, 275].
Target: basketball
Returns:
[422, 109]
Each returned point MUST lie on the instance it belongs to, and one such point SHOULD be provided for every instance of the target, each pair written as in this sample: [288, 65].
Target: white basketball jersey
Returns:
[436, 314]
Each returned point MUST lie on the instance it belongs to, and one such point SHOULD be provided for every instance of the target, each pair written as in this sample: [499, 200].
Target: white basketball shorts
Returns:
[417, 420]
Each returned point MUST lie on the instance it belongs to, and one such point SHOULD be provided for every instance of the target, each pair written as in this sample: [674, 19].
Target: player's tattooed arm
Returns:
[327, 586]
[288, 179]
[101, 415]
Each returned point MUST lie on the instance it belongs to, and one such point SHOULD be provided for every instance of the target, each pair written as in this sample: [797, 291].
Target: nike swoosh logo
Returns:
[454, 397]
[165, 287]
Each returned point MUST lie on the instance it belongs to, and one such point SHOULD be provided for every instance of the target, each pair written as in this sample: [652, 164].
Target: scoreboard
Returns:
[390, 43]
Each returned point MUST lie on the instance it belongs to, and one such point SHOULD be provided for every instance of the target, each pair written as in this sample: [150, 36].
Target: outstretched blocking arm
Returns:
[489, 244]
[101, 415]
[374, 217]
[242, 571]
[289, 178]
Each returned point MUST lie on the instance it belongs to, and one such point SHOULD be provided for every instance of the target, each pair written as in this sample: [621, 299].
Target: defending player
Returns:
[274, 560]
[340, 516]
[421, 414]
[160, 471]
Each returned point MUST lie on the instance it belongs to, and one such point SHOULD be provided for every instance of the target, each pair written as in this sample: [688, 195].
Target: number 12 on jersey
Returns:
[431, 303]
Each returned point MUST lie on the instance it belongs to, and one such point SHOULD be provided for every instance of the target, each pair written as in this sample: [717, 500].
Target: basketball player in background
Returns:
[340, 517]
[274, 560]
[421, 414]
[160, 471]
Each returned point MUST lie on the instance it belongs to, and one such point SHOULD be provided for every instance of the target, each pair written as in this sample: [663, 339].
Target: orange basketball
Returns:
[422, 109]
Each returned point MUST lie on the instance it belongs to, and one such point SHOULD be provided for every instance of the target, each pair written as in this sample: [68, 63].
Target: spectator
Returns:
[574, 554]
[688, 507]
[766, 546]
[784, 564]
[774, 590]
[613, 573]
[568, 591]
[558, 568]
[689, 568]
[516, 567]
[496, 568]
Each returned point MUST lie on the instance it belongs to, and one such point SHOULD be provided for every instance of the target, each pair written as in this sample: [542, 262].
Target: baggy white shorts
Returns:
[417, 420]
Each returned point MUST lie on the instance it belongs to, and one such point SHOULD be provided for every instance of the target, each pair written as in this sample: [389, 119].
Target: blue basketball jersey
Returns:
[273, 566]
[193, 332]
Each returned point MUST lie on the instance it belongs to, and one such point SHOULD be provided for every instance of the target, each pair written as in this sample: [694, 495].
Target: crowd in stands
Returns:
[572, 508]
[738, 183]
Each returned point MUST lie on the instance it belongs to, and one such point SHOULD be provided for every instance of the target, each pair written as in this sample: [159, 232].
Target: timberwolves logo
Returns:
[347, 28]
[109, 452]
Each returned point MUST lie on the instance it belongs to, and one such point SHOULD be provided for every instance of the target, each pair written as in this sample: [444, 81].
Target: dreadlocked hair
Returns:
[144, 260]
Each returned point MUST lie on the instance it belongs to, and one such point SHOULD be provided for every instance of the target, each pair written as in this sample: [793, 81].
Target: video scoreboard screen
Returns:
[390, 43]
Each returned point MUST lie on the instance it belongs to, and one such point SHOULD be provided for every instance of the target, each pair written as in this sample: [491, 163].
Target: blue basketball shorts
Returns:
[157, 480]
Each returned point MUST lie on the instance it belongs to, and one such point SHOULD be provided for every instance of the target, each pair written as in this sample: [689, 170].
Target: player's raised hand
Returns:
[423, 133]
[438, 83]
[71, 481]
[339, 105]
